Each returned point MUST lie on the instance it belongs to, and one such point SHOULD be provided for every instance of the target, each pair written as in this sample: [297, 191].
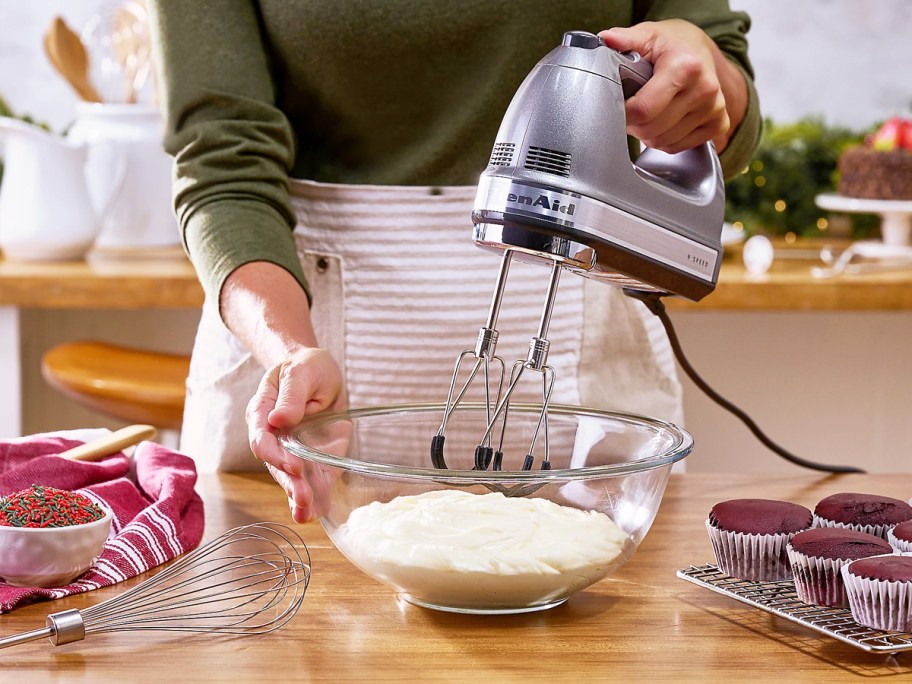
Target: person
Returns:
[326, 158]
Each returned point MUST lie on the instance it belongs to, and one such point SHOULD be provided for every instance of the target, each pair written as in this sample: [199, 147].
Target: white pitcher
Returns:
[141, 215]
[46, 212]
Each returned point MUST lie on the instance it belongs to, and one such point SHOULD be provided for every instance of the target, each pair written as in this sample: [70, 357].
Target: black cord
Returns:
[654, 303]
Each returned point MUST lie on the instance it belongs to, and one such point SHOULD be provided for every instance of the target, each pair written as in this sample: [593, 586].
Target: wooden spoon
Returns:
[68, 55]
[110, 444]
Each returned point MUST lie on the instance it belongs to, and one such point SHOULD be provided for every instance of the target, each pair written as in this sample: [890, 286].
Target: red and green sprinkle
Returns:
[40, 506]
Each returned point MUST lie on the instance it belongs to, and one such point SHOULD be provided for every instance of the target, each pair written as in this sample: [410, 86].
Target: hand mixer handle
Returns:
[634, 73]
[686, 170]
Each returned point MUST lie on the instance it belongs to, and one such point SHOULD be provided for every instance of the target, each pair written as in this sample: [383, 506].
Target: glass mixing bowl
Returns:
[481, 541]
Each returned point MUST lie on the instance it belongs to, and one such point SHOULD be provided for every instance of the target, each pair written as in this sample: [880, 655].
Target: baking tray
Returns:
[779, 598]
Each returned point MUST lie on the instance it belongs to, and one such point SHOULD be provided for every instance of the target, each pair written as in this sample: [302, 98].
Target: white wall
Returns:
[831, 387]
[847, 60]
[828, 387]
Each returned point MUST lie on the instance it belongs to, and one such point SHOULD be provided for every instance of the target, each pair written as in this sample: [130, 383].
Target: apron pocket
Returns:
[327, 310]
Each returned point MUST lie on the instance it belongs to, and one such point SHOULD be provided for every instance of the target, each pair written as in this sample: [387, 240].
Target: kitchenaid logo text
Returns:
[543, 202]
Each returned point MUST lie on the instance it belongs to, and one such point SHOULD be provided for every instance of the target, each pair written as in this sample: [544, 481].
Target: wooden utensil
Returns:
[110, 444]
[68, 56]
[132, 47]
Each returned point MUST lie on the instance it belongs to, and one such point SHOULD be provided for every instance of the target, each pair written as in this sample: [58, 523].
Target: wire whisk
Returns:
[250, 580]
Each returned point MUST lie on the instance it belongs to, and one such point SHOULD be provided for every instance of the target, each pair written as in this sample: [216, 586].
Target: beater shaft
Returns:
[545, 321]
[484, 355]
[499, 288]
[497, 410]
[536, 360]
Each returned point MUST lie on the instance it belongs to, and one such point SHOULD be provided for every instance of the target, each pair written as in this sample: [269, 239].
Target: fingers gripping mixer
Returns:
[561, 189]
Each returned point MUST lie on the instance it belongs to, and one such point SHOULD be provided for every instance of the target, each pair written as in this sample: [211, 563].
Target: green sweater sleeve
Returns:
[729, 31]
[232, 146]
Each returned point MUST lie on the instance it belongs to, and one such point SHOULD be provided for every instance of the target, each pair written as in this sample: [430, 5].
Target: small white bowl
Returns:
[50, 556]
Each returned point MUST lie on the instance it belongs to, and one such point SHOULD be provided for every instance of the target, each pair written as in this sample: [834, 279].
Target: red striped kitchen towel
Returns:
[157, 514]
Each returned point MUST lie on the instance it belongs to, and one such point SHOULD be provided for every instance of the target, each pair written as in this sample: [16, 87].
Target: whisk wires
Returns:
[250, 580]
[217, 588]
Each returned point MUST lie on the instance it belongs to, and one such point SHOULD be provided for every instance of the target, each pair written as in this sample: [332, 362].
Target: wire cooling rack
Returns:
[779, 598]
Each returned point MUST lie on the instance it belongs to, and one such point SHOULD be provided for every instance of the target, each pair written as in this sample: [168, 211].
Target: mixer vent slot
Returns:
[502, 154]
[548, 161]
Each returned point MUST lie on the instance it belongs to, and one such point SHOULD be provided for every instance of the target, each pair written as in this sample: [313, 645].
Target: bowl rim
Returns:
[106, 518]
[682, 447]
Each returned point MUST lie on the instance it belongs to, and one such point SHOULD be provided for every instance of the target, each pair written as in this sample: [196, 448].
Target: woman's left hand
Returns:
[695, 94]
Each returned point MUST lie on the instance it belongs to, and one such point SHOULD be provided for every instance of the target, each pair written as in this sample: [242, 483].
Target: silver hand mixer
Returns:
[561, 189]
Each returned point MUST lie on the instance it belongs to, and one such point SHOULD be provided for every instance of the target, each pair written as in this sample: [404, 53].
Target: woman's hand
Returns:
[695, 94]
[306, 383]
[266, 308]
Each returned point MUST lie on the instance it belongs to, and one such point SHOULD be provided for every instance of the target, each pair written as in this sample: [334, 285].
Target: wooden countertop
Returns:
[135, 283]
[789, 286]
[172, 283]
[642, 624]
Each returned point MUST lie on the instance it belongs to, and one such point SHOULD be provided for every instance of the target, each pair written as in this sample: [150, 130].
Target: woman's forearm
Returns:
[266, 309]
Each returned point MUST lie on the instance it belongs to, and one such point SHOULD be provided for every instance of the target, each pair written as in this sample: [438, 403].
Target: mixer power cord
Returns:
[654, 303]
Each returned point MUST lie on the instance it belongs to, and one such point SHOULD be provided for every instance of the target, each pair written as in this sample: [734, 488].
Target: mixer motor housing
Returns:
[561, 187]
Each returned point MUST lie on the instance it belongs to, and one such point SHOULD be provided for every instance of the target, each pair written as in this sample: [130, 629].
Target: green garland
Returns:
[794, 162]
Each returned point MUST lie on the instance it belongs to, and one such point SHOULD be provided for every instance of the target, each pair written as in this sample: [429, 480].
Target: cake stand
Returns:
[895, 215]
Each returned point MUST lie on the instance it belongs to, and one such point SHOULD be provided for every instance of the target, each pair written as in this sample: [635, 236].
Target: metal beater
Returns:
[561, 189]
[250, 580]
[537, 360]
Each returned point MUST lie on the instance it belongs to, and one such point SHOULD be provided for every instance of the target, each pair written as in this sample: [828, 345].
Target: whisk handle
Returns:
[62, 628]
[25, 637]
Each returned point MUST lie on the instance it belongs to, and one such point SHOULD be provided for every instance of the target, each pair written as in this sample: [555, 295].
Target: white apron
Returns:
[399, 290]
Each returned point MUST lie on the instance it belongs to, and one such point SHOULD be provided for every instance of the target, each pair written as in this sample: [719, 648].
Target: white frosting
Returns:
[458, 549]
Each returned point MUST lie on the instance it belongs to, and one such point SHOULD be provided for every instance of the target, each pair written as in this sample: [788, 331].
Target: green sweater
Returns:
[382, 92]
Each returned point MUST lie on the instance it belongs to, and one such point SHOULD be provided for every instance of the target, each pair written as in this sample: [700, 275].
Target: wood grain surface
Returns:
[643, 624]
[111, 284]
[171, 283]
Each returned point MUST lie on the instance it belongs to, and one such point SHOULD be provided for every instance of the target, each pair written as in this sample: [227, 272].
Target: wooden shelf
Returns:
[108, 284]
[172, 283]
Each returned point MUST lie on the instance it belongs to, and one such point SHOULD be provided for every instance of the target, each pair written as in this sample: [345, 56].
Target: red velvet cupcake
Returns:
[817, 556]
[862, 512]
[749, 536]
[879, 590]
[900, 537]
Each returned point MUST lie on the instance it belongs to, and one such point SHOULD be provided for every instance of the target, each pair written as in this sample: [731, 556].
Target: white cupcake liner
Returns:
[817, 580]
[756, 557]
[901, 545]
[877, 530]
[879, 604]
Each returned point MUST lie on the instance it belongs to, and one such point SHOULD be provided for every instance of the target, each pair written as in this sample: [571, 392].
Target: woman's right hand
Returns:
[307, 382]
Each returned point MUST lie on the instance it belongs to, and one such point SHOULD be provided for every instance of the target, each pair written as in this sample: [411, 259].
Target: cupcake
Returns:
[900, 537]
[817, 555]
[863, 512]
[749, 536]
[880, 592]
